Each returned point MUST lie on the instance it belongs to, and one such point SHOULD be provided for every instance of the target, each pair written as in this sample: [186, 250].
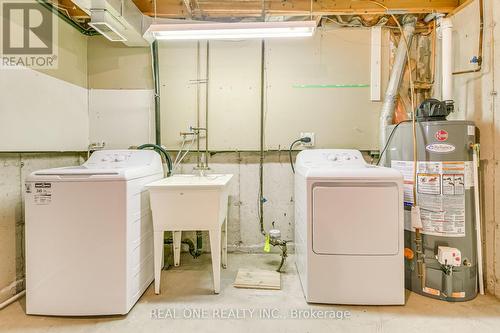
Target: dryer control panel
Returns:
[346, 157]
[334, 158]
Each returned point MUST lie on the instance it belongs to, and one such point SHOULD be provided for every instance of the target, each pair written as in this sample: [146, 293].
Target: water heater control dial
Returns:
[449, 256]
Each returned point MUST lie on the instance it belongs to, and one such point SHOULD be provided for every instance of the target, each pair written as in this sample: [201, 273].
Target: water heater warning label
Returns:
[440, 194]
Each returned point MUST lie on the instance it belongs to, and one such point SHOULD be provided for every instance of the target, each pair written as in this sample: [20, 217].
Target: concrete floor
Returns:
[188, 290]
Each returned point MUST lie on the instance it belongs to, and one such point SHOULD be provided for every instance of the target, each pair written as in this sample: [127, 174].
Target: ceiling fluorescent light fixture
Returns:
[242, 30]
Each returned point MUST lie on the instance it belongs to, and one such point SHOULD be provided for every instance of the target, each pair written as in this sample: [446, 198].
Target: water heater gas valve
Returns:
[449, 256]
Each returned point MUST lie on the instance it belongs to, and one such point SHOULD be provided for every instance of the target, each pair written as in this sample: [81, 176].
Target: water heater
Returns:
[444, 192]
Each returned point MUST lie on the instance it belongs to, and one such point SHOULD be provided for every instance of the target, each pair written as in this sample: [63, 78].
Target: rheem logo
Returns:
[28, 35]
[441, 135]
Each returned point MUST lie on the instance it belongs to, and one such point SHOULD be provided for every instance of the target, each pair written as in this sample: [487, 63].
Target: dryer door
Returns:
[355, 219]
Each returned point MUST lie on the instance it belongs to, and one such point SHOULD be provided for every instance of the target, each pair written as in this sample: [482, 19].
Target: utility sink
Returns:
[192, 181]
[190, 202]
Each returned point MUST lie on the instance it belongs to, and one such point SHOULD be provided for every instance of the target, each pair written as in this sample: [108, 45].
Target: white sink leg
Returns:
[158, 258]
[215, 248]
[224, 243]
[176, 238]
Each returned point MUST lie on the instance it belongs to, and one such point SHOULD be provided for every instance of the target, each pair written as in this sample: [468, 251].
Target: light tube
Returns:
[242, 30]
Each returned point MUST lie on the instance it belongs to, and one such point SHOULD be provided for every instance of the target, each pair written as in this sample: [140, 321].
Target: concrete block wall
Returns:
[243, 215]
[243, 227]
[476, 99]
[14, 167]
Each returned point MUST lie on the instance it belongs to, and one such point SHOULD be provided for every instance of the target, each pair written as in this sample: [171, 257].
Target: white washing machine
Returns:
[89, 234]
[348, 229]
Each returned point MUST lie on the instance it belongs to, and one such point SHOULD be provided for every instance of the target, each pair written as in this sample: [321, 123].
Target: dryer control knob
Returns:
[332, 157]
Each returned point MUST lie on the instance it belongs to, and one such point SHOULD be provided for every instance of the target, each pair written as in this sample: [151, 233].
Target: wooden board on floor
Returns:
[257, 279]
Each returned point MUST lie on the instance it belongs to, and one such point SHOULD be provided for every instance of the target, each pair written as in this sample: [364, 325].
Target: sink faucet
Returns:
[202, 164]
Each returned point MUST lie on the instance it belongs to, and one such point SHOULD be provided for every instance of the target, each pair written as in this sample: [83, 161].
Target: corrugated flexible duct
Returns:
[391, 94]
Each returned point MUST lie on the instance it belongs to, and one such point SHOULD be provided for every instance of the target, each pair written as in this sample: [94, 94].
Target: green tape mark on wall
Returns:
[330, 85]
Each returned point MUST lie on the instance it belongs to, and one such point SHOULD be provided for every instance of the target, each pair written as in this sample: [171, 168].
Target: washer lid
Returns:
[76, 170]
[106, 165]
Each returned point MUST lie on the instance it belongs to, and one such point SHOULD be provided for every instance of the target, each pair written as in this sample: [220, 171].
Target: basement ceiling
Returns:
[227, 9]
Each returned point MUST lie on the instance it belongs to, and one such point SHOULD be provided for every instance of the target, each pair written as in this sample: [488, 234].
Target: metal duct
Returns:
[117, 20]
[391, 94]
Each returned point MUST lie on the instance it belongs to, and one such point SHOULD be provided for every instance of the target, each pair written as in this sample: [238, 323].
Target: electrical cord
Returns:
[303, 140]
[389, 140]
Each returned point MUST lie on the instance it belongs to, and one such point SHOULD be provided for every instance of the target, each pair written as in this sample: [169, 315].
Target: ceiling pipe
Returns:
[391, 94]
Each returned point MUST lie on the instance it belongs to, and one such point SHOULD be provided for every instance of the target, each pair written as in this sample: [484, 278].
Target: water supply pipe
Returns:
[156, 82]
[261, 150]
[12, 299]
[391, 94]
[477, 214]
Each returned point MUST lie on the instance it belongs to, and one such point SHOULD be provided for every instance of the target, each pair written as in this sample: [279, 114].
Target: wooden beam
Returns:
[70, 7]
[187, 5]
[227, 8]
[462, 5]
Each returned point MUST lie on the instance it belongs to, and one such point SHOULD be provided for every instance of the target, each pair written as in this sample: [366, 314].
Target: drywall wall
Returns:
[310, 86]
[234, 95]
[72, 56]
[46, 110]
[41, 113]
[14, 167]
[112, 65]
[121, 107]
[476, 99]
[178, 89]
[121, 118]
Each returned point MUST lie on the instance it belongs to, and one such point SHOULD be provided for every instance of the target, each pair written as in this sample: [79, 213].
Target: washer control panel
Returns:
[104, 159]
[115, 157]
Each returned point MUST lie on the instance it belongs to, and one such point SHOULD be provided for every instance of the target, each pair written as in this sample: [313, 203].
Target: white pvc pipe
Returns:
[12, 299]
[475, 166]
[446, 27]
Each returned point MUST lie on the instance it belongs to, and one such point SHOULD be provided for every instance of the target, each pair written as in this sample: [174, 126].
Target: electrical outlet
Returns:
[310, 135]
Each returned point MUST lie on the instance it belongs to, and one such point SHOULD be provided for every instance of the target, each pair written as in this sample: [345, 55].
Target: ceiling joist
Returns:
[241, 8]
[227, 9]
